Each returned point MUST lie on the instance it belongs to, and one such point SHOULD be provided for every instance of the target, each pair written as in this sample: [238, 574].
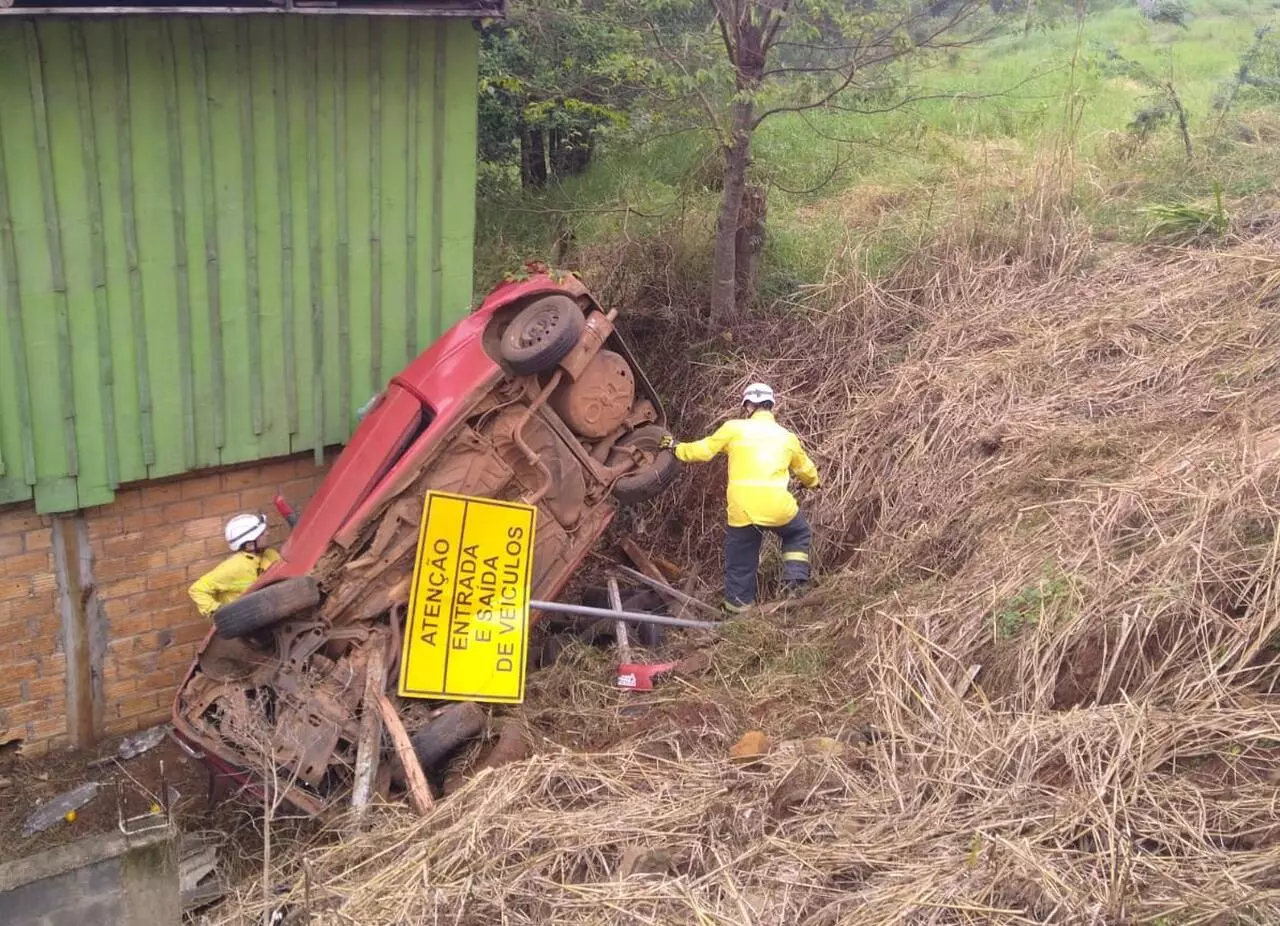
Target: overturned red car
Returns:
[533, 397]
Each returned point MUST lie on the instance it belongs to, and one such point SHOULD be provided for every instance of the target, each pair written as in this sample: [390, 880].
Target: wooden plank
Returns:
[419, 794]
[369, 744]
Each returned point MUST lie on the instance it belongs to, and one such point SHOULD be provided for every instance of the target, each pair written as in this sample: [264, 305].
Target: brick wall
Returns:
[147, 547]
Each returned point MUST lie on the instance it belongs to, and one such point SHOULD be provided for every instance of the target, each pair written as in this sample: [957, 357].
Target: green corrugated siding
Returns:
[219, 236]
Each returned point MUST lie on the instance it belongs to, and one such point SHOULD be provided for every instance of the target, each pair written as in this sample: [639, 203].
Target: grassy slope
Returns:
[890, 173]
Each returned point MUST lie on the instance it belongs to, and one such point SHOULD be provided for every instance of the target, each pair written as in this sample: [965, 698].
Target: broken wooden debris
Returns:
[419, 794]
[369, 744]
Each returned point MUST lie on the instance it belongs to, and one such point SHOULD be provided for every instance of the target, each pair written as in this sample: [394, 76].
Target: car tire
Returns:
[542, 335]
[649, 481]
[456, 724]
[266, 607]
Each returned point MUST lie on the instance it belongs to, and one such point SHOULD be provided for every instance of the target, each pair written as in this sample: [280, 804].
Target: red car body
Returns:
[383, 455]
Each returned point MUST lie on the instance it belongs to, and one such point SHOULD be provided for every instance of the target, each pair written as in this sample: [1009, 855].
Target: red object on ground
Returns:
[639, 677]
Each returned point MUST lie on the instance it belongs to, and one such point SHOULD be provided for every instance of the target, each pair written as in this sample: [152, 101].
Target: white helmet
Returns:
[243, 528]
[757, 394]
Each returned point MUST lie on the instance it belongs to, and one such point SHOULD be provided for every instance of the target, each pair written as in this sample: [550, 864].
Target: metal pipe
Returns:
[609, 613]
[667, 589]
[517, 434]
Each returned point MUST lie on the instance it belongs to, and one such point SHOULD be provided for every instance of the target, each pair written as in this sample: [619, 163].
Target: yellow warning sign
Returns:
[466, 635]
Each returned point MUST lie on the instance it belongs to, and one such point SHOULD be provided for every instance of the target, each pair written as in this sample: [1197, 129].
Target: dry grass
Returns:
[1045, 649]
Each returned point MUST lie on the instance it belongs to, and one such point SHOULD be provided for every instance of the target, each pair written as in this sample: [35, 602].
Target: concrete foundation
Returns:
[108, 879]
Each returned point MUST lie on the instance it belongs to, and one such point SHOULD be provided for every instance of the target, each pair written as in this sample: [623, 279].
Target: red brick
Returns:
[48, 728]
[105, 526]
[191, 551]
[22, 520]
[176, 615]
[36, 749]
[17, 668]
[15, 587]
[123, 588]
[135, 704]
[127, 621]
[179, 512]
[25, 608]
[122, 544]
[189, 633]
[160, 493]
[223, 505]
[44, 583]
[29, 563]
[180, 657]
[142, 519]
[11, 545]
[204, 529]
[200, 486]
[114, 688]
[128, 499]
[42, 688]
[39, 540]
[241, 479]
[139, 663]
[167, 578]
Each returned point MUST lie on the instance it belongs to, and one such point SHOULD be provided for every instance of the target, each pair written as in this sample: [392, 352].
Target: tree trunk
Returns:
[748, 244]
[724, 263]
[533, 158]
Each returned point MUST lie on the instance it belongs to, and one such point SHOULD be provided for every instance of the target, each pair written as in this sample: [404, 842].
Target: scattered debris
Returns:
[637, 860]
[59, 807]
[753, 746]
[200, 882]
[132, 746]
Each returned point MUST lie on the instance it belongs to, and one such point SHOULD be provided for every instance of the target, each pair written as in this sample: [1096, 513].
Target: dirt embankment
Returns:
[1036, 684]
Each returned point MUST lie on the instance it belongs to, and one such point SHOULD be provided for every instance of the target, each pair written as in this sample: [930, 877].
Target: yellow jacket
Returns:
[229, 579]
[762, 456]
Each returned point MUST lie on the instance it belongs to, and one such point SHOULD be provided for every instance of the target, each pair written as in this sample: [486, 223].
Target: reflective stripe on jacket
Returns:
[229, 579]
[762, 456]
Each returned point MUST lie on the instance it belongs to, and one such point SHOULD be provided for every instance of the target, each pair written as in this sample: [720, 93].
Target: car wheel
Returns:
[456, 724]
[542, 335]
[266, 607]
[649, 480]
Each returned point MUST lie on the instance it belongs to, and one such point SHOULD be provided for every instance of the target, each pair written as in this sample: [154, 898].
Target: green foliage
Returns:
[1186, 223]
[1032, 604]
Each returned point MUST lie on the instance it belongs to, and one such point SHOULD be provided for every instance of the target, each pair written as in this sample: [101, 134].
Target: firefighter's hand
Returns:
[667, 442]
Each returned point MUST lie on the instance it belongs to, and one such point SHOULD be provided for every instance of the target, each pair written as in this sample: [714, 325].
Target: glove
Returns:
[667, 442]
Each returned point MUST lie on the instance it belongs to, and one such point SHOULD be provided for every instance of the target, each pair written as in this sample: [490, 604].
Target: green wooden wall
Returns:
[220, 236]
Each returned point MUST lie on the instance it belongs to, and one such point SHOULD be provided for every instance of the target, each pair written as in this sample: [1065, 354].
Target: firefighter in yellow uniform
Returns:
[232, 577]
[763, 455]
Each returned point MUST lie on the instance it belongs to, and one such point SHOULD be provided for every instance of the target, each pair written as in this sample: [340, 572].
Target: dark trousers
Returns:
[742, 559]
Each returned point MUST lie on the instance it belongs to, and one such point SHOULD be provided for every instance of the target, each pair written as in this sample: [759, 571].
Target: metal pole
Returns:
[639, 617]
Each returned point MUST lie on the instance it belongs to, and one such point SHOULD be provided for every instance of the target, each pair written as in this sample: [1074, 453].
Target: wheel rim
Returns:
[538, 329]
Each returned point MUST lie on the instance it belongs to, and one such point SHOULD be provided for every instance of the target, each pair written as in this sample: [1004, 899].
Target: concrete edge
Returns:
[87, 851]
